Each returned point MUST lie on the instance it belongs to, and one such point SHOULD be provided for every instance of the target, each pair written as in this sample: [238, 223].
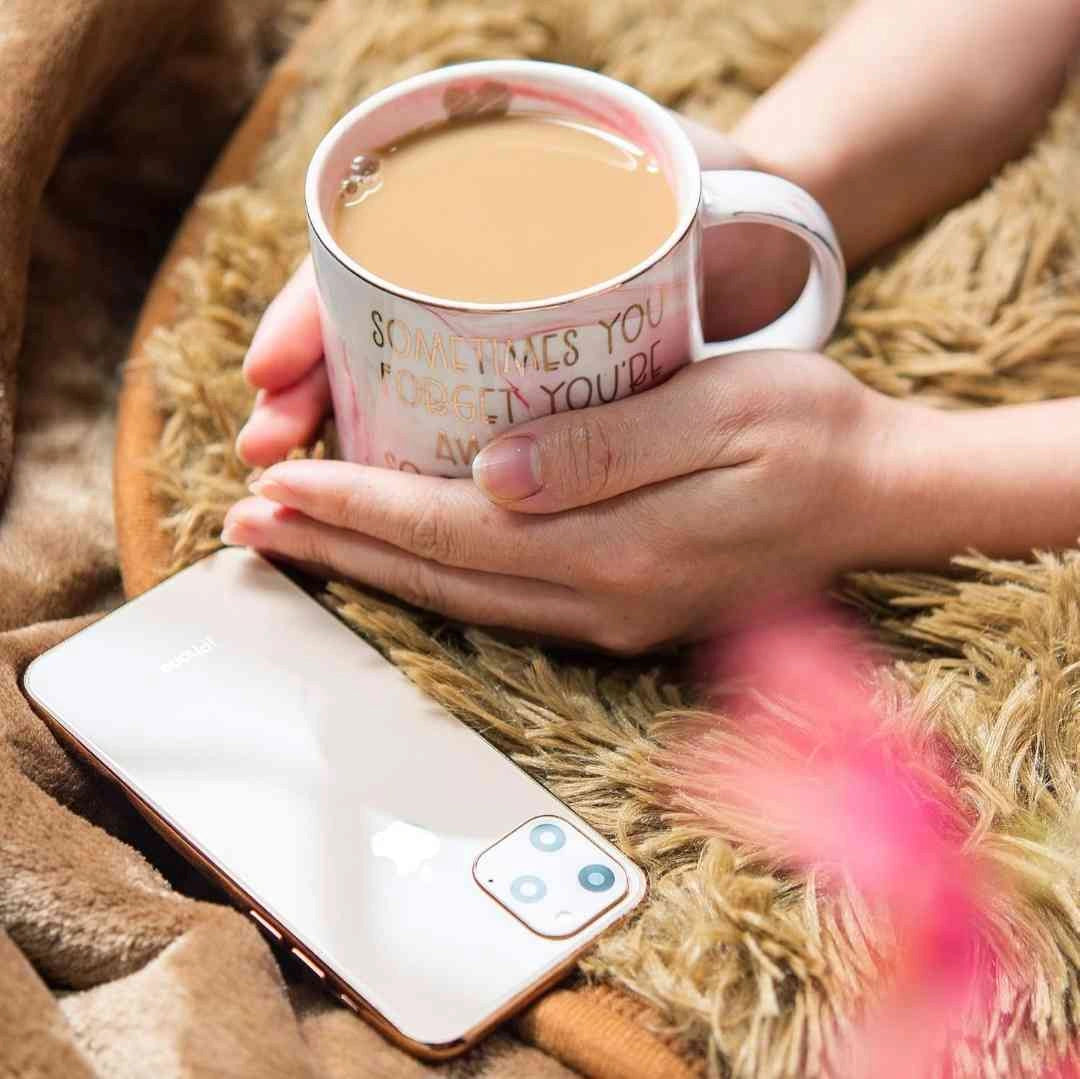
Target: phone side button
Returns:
[259, 919]
[309, 963]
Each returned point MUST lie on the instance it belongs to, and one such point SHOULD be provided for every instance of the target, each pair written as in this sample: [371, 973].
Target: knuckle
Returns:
[731, 408]
[627, 567]
[428, 533]
[314, 546]
[422, 588]
[592, 463]
[621, 574]
[605, 568]
[726, 416]
[625, 638]
[353, 507]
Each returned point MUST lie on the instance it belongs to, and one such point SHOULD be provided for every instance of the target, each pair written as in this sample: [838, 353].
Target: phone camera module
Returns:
[547, 837]
[551, 876]
[596, 878]
[528, 889]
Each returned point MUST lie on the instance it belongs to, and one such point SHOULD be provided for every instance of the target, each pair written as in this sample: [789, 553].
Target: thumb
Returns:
[693, 421]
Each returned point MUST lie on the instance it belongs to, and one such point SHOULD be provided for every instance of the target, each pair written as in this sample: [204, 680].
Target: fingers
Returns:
[284, 419]
[288, 340]
[441, 520]
[695, 420]
[283, 362]
[471, 596]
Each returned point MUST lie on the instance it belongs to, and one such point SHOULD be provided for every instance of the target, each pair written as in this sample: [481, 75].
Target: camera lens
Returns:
[547, 837]
[528, 889]
[596, 878]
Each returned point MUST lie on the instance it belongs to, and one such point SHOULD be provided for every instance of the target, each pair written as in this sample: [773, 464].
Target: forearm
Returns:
[906, 108]
[1002, 481]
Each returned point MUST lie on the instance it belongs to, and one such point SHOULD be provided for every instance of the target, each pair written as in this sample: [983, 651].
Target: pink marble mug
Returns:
[422, 382]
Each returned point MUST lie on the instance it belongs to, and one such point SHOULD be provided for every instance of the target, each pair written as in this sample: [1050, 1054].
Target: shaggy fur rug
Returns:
[983, 307]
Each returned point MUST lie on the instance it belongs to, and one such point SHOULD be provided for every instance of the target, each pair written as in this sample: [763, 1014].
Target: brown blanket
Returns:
[110, 113]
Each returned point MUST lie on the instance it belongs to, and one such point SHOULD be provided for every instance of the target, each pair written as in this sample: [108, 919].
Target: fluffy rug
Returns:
[983, 307]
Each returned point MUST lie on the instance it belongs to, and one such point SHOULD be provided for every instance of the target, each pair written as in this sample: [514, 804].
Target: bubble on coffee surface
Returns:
[363, 179]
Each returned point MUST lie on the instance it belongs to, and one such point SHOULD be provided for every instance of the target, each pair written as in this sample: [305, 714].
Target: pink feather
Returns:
[805, 772]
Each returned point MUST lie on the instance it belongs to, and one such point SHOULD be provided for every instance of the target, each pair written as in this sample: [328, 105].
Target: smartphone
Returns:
[418, 873]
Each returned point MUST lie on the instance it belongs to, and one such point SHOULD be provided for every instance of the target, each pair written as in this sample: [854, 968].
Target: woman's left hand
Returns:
[742, 480]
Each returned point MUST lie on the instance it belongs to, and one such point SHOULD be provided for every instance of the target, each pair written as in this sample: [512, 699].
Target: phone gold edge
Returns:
[247, 904]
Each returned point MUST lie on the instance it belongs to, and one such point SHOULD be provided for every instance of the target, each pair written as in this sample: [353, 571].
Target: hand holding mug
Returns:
[621, 502]
[752, 274]
[484, 178]
[611, 525]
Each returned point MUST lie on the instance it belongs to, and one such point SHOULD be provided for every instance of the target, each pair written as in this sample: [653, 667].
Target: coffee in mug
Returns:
[504, 208]
[482, 259]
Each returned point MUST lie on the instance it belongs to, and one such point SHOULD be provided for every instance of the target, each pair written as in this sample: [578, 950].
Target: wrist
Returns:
[910, 511]
[936, 484]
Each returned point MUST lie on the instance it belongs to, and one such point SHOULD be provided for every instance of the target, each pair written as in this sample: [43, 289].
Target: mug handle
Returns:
[761, 198]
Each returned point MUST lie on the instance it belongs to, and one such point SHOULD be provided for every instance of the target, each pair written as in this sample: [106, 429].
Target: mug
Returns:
[422, 383]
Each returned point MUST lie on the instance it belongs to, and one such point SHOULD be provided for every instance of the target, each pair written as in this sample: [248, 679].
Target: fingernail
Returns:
[508, 469]
[266, 486]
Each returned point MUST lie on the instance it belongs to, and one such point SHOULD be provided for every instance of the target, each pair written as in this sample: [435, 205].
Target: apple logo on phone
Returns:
[407, 846]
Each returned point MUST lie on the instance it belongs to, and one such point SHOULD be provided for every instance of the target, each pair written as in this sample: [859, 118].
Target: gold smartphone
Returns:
[422, 877]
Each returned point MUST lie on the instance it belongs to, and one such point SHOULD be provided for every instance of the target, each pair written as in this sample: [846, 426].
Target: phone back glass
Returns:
[317, 777]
